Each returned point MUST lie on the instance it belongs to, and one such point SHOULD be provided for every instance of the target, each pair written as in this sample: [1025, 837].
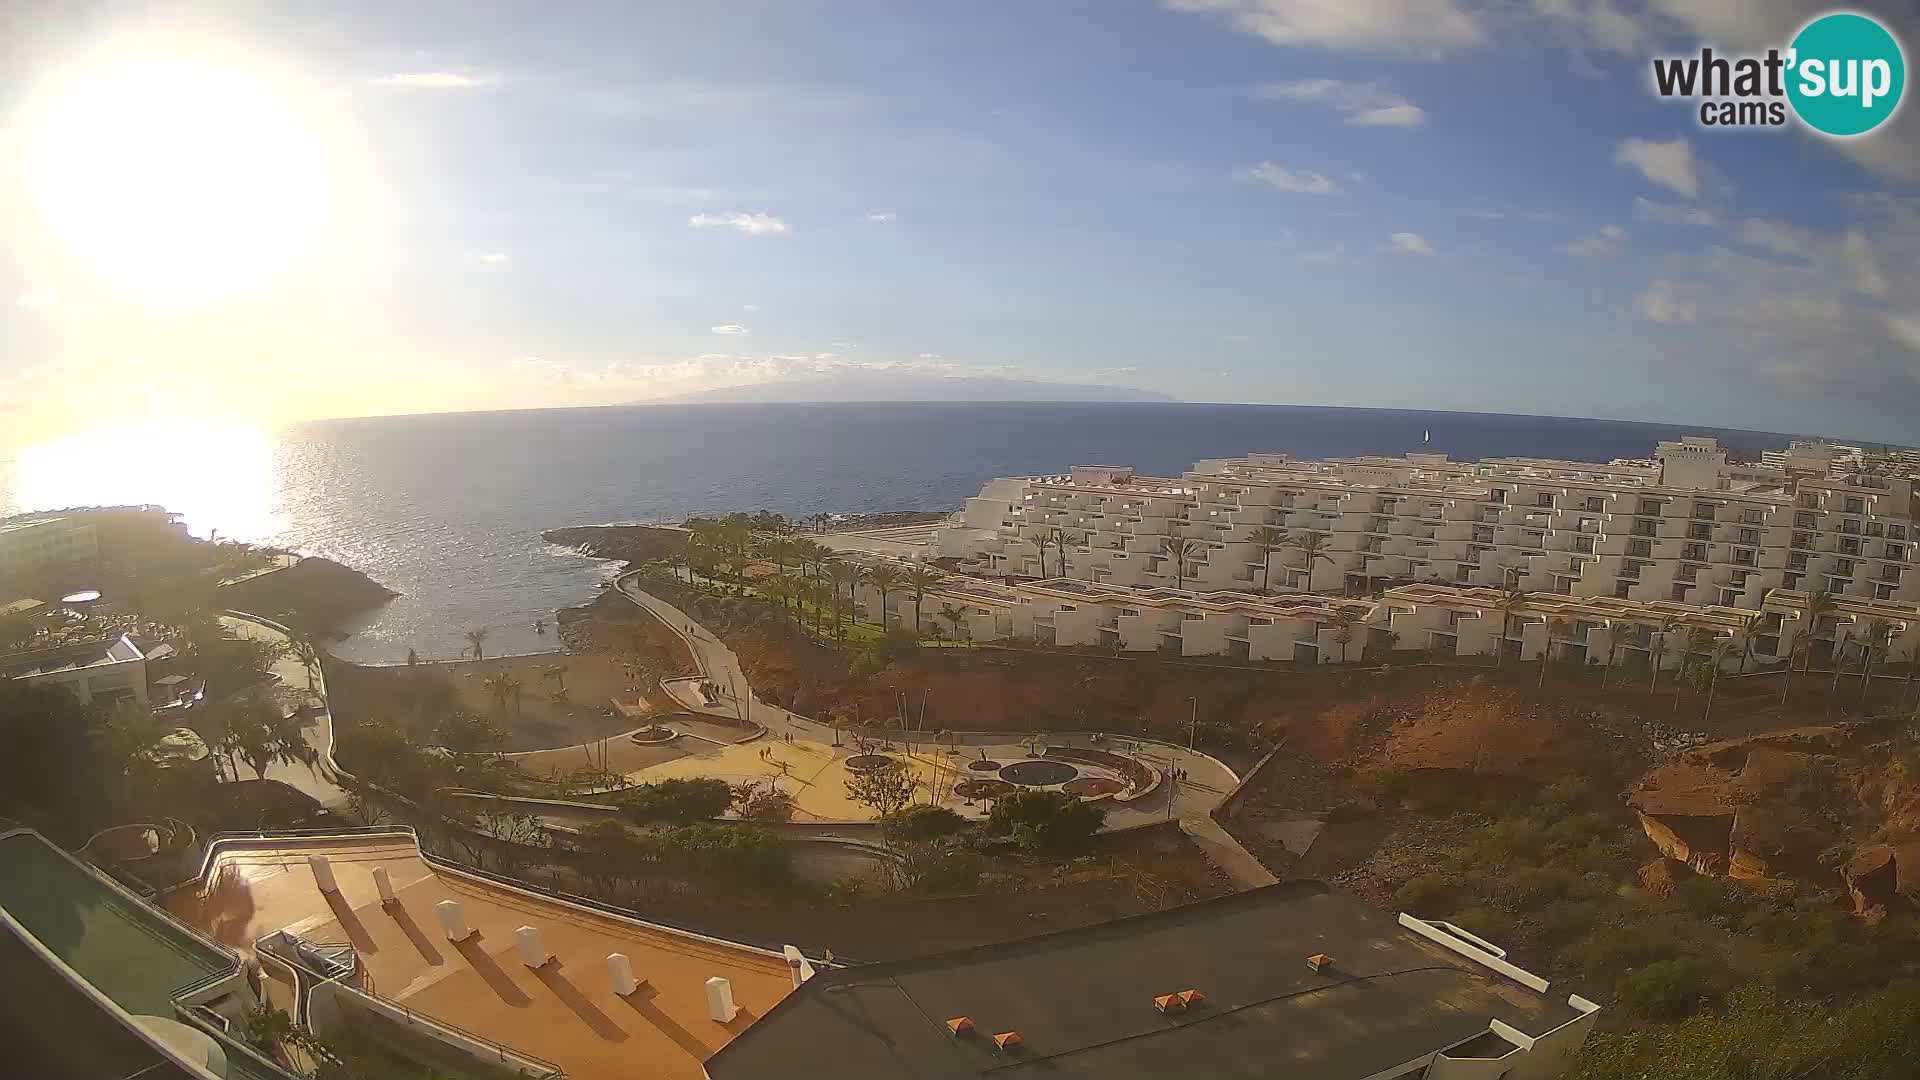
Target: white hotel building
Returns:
[1622, 562]
[1686, 527]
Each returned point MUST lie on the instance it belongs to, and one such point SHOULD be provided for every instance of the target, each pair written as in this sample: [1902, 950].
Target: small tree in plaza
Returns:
[884, 791]
[1045, 821]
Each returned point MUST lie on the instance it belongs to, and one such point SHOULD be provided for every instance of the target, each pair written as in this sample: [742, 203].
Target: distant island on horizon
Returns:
[886, 386]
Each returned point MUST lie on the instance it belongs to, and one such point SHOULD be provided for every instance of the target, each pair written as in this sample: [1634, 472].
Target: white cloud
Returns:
[1671, 214]
[731, 328]
[1422, 27]
[1363, 104]
[34, 299]
[1659, 304]
[1777, 237]
[1858, 257]
[1905, 329]
[1597, 23]
[1285, 179]
[1669, 164]
[755, 224]
[431, 80]
[1607, 240]
[493, 258]
[1402, 115]
[749, 307]
[884, 218]
[1410, 243]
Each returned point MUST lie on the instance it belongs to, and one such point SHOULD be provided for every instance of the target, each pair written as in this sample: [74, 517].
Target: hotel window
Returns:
[1703, 510]
[1849, 546]
[1896, 551]
[1583, 544]
[1679, 593]
[1889, 573]
[1498, 495]
[1630, 569]
[1855, 505]
[1806, 521]
[1883, 592]
[1753, 517]
[1746, 557]
[1807, 502]
[1621, 590]
[1790, 581]
[1596, 503]
[1874, 528]
[1649, 506]
[1699, 532]
[1843, 568]
[1749, 536]
[1544, 500]
[1694, 551]
[1645, 527]
[1642, 548]
[1796, 561]
[1802, 540]
[1896, 532]
[1851, 526]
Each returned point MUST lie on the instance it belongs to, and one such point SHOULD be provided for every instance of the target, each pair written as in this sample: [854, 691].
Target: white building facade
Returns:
[1686, 526]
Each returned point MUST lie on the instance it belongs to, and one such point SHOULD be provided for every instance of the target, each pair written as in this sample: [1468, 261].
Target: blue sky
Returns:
[1444, 204]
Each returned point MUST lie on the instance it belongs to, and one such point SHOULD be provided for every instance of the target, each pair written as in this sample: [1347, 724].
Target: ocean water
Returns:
[449, 509]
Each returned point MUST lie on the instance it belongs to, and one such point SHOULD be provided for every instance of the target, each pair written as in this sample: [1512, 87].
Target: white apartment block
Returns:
[1686, 526]
[31, 543]
[1434, 619]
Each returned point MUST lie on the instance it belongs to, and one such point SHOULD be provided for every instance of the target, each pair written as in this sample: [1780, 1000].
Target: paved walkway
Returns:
[318, 729]
[1191, 800]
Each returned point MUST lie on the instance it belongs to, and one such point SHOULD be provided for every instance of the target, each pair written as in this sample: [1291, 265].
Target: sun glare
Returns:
[178, 182]
[218, 474]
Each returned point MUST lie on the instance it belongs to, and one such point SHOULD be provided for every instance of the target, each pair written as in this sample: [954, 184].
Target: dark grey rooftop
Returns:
[1082, 1001]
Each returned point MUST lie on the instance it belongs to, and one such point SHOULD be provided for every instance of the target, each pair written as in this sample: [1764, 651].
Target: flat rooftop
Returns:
[1082, 1001]
[565, 1013]
[84, 654]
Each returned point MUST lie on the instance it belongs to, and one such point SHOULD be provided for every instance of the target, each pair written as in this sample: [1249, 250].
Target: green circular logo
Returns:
[1846, 74]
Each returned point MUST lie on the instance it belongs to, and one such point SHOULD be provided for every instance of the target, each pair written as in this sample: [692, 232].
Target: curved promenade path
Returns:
[1191, 800]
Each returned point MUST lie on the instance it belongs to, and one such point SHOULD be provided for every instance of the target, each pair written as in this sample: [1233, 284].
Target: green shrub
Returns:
[1045, 821]
[679, 801]
[1424, 893]
[920, 823]
[1666, 989]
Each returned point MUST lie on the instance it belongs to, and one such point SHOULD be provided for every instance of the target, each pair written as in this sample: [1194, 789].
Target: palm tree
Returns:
[477, 640]
[499, 686]
[1615, 641]
[1040, 540]
[1512, 599]
[1819, 606]
[1266, 540]
[1718, 656]
[1556, 627]
[1182, 551]
[307, 655]
[1749, 630]
[885, 577]
[1064, 537]
[838, 574]
[1310, 544]
[1657, 647]
[1913, 663]
[921, 578]
[954, 616]
[1873, 650]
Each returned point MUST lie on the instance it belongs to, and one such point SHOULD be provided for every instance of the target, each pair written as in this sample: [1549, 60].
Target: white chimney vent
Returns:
[384, 882]
[533, 951]
[323, 873]
[720, 1004]
[620, 973]
[798, 966]
[453, 919]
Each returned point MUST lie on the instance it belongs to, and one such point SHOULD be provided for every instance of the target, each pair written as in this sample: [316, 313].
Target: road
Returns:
[1203, 782]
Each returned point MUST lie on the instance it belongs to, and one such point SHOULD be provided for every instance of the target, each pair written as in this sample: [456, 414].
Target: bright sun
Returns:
[178, 182]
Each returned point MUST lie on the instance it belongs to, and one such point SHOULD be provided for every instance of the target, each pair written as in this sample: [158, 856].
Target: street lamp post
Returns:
[1193, 723]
